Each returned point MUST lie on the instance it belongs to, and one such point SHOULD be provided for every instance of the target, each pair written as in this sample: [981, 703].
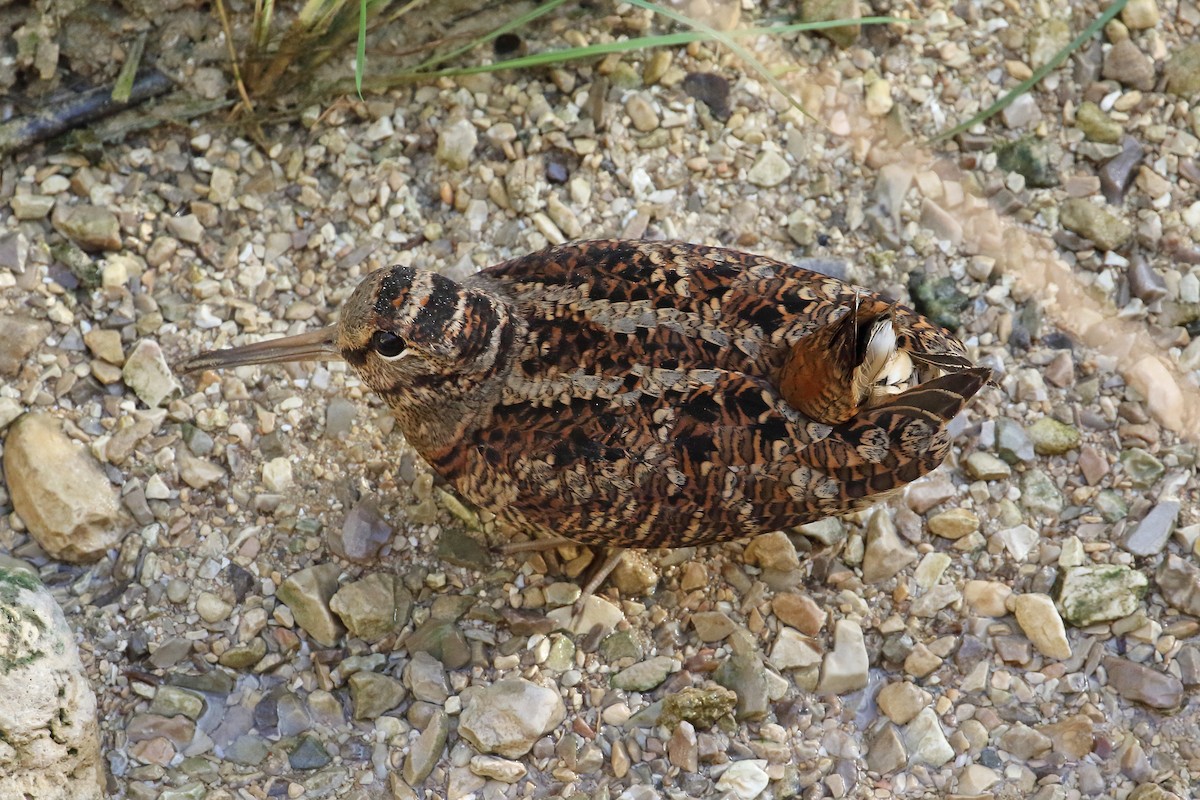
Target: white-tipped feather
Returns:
[881, 346]
[898, 370]
[886, 371]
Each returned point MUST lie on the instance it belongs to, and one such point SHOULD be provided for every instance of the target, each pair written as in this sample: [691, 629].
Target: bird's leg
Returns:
[598, 577]
[594, 582]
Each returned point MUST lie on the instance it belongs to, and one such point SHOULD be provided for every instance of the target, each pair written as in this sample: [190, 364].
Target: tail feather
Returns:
[941, 398]
[948, 362]
[890, 445]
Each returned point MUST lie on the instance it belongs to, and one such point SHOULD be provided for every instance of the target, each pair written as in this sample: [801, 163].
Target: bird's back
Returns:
[642, 404]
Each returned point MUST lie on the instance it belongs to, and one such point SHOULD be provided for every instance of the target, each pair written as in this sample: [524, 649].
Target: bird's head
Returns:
[415, 337]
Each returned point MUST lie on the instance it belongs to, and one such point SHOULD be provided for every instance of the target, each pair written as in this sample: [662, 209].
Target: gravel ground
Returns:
[287, 604]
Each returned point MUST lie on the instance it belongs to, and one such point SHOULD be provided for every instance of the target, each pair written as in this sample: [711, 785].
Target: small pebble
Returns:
[1040, 621]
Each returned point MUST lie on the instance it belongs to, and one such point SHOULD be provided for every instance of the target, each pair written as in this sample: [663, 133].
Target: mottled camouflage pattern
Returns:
[627, 393]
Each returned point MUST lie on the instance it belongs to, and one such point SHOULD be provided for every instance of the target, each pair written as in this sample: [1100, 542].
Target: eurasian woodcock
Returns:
[646, 394]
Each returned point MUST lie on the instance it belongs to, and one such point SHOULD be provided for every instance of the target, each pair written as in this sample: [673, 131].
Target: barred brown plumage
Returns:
[645, 394]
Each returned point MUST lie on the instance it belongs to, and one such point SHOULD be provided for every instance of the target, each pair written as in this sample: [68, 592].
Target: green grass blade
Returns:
[264, 11]
[360, 52]
[124, 85]
[1041, 72]
[624, 46]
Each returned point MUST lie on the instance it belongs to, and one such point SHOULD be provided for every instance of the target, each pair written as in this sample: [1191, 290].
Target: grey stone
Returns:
[247, 750]
[89, 227]
[1128, 65]
[307, 593]
[644, 675]
[308, 754]
[1039, 493]
[14, 252]
[1053, 438]
[363, 534]
[1105, 228]
[1143, 684]
[925, 741]
[1179, 582]
[1096, 125]
[984, 466]
[1182, 71]
[845, 667]
[147, 373]
[712, 626]
[1142, 467]
[885, 553]
[19, 336]
[771, 169]
[339, 417]
[1118, 172]
[374, 607]
[1144, 281]
[743, 674]
[1151, 534]
[456, 144]
[1021, 112]
[1012, 442]
[885, 751]
[426, 678]
[1188, 659]
[374, 694]
[825, 10]
[1024, 742]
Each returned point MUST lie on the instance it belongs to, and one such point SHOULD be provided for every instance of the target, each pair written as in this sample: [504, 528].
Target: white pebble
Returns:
[277, 474]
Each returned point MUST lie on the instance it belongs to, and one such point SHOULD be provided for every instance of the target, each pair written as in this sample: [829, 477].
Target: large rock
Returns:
[307, 593]
[507, 717]
[92, 228]
[60, 491]
[49, 738]
[19, 336]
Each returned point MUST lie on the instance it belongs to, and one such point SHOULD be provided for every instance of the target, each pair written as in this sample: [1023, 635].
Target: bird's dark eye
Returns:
[387, 344]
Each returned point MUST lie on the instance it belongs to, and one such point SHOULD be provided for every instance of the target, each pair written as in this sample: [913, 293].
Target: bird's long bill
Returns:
[318, 345]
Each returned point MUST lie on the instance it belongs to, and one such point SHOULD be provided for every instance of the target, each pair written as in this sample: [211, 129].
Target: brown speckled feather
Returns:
[628, 393]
